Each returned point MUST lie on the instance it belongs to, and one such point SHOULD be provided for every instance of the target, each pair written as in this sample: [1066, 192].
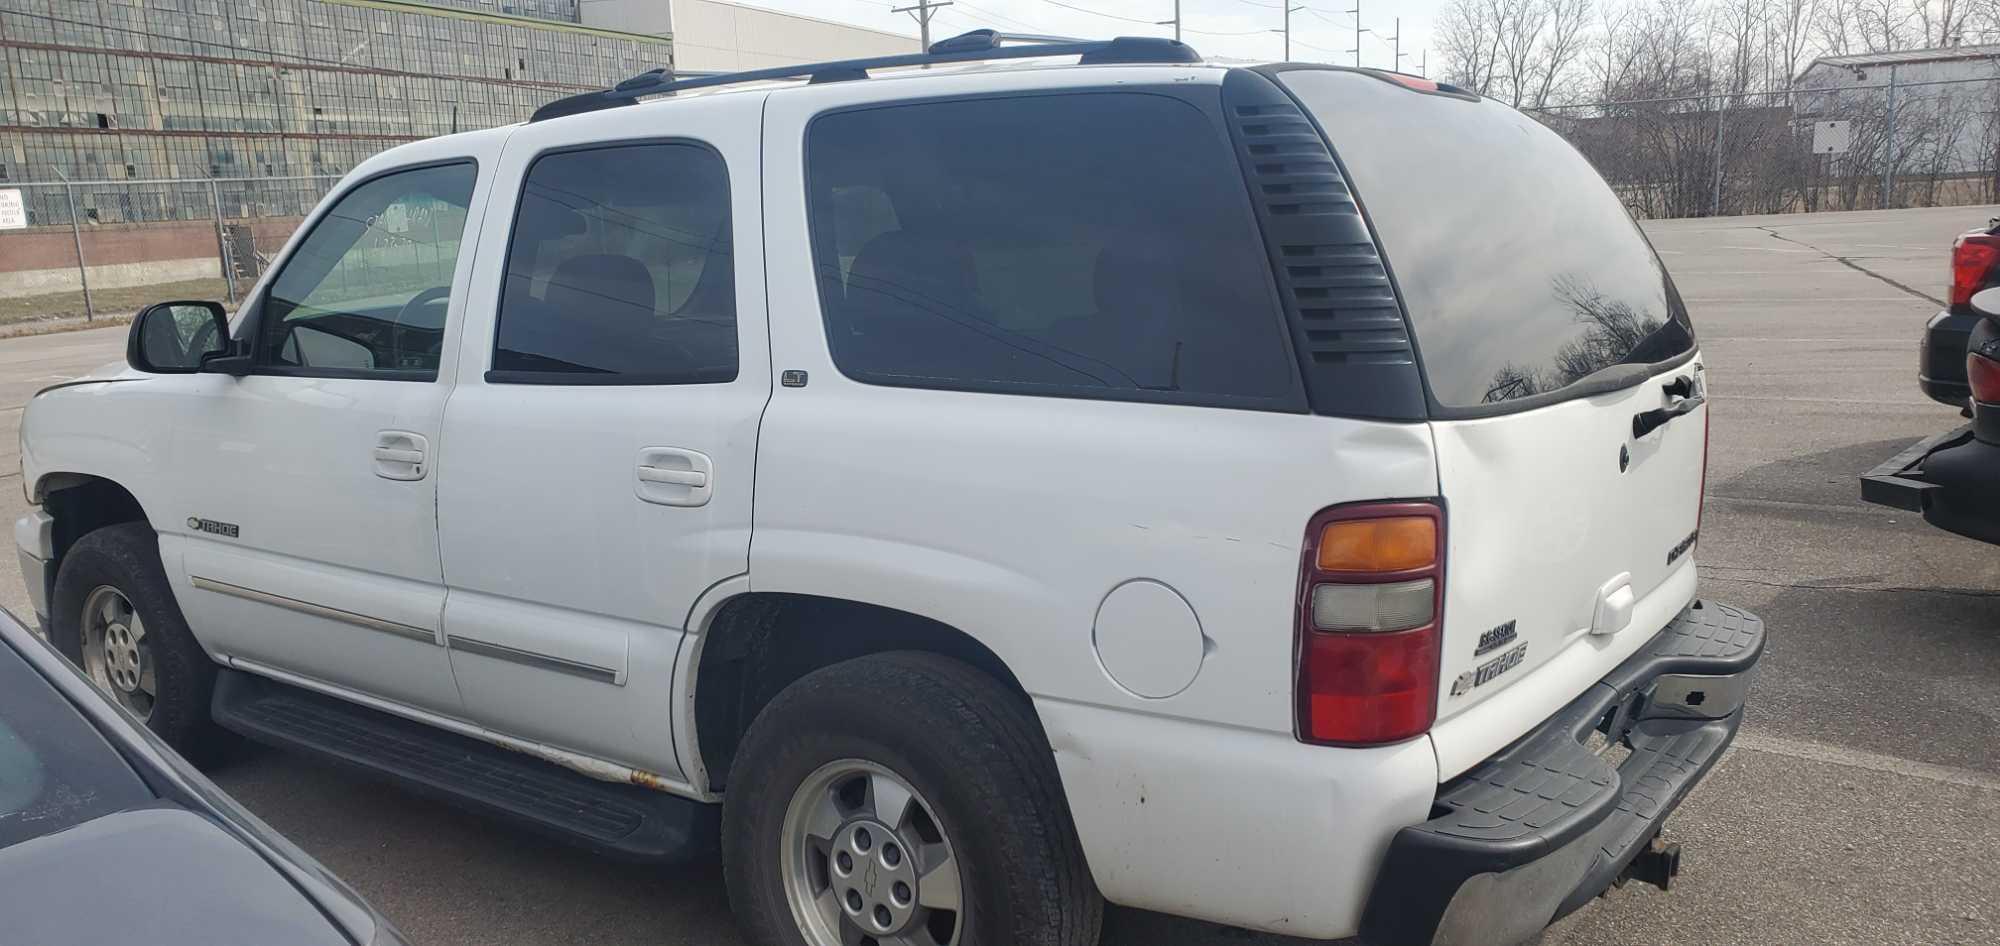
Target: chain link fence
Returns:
[98, 247]
[1886, 144]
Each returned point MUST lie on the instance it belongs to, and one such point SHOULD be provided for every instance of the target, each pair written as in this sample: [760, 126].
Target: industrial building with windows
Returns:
[192, 136]
[115, 90]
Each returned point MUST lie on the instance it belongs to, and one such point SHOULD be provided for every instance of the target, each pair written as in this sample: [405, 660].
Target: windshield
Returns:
[1521, 270]
[56, 771]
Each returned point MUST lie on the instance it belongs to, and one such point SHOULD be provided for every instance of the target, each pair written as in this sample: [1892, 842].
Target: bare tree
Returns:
[1944, 22]
[1739, 27]
[1698, 106]
[1884, 25]
[1617, 48]
[1561, 46]
[1833, 26]
[1792, 25]
[1520, 24]
[1468, 42]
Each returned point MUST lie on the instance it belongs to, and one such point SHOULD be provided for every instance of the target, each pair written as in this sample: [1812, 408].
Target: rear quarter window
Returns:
[1520, 269]
[1095, 244]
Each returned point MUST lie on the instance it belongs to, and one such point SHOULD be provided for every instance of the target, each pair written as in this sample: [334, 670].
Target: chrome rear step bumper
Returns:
[1547, 824]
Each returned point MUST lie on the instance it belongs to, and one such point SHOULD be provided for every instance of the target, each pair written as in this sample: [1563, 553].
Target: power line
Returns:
[1108, 16]
[1288, 10]
[989, 14]
[1142, 22]
[922, 13]
[1243, 33]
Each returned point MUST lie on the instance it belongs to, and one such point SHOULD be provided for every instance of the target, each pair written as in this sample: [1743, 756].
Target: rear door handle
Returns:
[1645, 422]
[401, 455]
[1686, 393]
[654, 474]
[674, 476]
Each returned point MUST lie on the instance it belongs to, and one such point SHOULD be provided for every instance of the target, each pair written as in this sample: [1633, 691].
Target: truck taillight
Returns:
[1982, 374]
[1370, 601]
[1972, 255]
[1701, 498]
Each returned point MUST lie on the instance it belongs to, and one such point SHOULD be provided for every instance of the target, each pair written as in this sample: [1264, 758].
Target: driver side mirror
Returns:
[1986, 302]
[177, 337]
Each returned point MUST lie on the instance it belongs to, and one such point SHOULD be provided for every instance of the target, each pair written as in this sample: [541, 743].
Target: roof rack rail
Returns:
[965, 47]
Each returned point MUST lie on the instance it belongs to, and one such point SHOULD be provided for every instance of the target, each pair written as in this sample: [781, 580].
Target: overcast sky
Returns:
[1321, 32]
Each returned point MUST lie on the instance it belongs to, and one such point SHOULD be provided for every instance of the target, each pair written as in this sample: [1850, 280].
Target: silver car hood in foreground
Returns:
[162, 875]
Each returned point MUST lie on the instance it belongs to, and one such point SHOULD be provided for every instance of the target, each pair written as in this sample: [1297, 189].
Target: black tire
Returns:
[968, 745]
[127, 557]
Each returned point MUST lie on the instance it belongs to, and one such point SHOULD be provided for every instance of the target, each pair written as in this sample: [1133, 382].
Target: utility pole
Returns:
[1289, 10]
[1176, 21]
[1889, 143]
[1396, 44]
[1423, 61]
[1715, 200]
[1356, 13]
[922, 13]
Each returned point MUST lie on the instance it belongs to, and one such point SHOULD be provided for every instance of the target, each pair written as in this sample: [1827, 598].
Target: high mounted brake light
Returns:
[1370, 598]
[1411, 82]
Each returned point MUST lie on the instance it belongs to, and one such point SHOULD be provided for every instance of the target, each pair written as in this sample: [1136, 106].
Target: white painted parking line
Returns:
[1896, 402]
[1788, 339]
[1861, 759]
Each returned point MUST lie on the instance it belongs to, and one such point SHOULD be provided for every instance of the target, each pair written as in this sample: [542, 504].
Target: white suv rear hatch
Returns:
[1546, 327]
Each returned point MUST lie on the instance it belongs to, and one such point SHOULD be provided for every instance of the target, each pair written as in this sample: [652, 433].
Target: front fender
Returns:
[113, 428]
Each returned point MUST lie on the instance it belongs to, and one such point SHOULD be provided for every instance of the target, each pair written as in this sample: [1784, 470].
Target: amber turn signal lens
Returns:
[1390, 544]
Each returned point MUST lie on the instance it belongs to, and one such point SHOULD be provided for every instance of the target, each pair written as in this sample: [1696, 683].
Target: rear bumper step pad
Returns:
[1547, 824]
[610, 818]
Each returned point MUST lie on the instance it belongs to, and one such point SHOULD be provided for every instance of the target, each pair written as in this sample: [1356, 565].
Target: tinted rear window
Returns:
[621, 270]
[1085, 245]
[1521, 270]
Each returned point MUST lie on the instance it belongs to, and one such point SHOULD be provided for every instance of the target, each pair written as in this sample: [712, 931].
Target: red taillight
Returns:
[1368, 636]
[1701, 501]
[1982, 374]
[1972, 256]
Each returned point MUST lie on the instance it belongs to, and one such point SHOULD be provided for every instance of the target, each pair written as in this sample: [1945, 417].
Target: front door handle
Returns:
[401, 455]
[674, 476]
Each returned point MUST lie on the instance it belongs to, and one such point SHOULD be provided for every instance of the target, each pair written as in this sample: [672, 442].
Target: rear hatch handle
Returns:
[1685, 390]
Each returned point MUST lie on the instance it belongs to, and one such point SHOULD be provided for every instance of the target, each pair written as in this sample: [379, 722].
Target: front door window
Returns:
[365, 295]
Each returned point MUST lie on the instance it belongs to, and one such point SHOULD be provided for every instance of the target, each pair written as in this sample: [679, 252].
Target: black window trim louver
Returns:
[1349, 329]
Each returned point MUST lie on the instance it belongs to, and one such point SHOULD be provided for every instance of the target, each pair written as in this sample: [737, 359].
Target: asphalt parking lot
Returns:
[1860, 805]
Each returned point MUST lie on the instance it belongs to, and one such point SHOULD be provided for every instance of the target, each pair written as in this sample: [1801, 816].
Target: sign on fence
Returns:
[1830, 137]
[13, 213]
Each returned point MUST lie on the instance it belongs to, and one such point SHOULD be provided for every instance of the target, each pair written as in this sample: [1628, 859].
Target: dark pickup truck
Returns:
[1975, 265]
[1953, 478]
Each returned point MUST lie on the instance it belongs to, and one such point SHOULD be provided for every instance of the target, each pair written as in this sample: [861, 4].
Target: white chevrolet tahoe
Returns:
[960, 496]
